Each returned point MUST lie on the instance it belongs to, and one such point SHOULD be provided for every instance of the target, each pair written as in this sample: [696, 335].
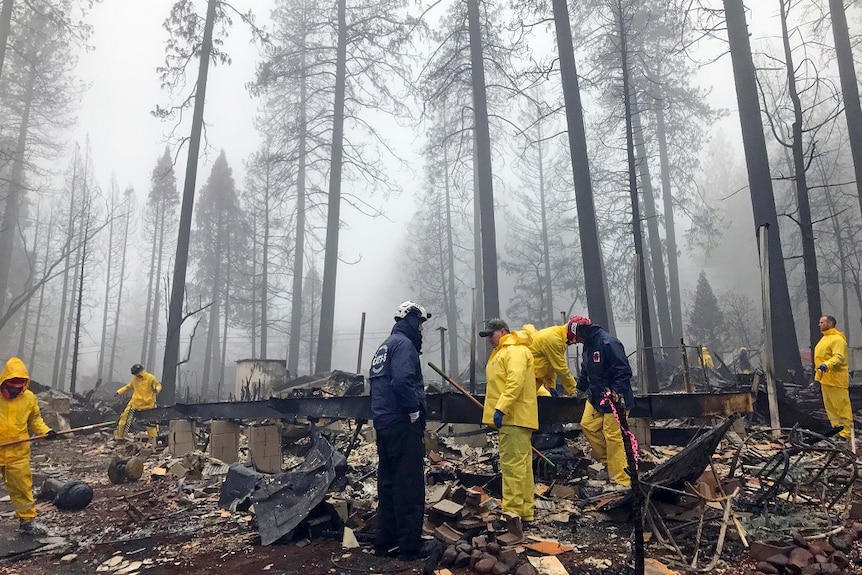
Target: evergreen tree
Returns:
[705, 319]
[218, 243]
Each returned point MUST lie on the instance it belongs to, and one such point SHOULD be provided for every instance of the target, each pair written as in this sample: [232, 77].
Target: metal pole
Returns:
[768, 361]
[473, 345]
[361, 341]
[442, 331]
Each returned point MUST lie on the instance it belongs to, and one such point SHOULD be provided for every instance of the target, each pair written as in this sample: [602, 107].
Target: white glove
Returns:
[414, 416]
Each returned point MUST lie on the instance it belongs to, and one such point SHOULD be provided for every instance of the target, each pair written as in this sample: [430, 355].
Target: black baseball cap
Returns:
[493, 325]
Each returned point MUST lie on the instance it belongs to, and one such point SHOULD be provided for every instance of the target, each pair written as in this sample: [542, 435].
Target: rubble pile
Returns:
[827, 554]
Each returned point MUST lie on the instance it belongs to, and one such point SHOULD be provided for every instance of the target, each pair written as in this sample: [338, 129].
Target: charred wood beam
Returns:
[450, 408]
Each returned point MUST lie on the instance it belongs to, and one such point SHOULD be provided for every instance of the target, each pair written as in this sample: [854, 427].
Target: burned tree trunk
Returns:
[659, 283]
[299, 248]
[849, 87]
[646, 326]
[595, 283]
[809, 256]
[485, 190]
[787, 360]
[178, 288]
[670, 229]
[333, 218]
[70, 233]
[10, 225]
[452, 309]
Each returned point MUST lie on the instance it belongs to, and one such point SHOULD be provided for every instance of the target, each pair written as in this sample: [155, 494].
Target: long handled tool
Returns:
[454, 384]
[73, 430]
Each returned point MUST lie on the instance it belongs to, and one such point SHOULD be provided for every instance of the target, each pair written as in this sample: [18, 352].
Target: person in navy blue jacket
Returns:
[398, 409]
[604, 366]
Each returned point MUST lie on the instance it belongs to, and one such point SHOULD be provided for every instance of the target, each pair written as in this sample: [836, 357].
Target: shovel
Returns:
[73, 430]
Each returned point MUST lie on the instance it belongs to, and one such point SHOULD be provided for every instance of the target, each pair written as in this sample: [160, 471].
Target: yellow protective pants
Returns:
[605, 437]
[19, 483]
[836, 400]
[516, 463]
[123, 424]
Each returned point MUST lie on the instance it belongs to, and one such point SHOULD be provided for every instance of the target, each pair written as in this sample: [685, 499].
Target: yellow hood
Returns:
[15, 368]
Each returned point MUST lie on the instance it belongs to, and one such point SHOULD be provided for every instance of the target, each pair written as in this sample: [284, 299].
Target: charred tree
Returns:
[646, 326]
[333, 217]
[178, 287]
[849, 87]
[800, 167]
[485, 190]
[787, 361]
[595, 282]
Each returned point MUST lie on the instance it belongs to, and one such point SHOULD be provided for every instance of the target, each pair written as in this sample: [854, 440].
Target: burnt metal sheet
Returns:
[284, 502]
[450, 408]
[687, 465]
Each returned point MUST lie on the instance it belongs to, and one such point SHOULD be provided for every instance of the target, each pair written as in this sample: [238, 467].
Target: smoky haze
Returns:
[88, 168]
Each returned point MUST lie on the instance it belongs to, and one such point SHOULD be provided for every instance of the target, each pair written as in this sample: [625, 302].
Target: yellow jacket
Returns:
[20, 416]
[144, 388]
[706, 358]
[832, 350]
[549, 356]
[511, 386]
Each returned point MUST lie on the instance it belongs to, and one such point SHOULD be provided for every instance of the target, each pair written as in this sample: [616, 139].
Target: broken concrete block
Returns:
[178, 469]
[448, 508]
[224, 441]
[181, 437]
[348, 540]
[264, 444]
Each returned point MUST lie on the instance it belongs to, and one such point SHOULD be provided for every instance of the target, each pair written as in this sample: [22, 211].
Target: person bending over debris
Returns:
[830, 357]
[20, 416]
[144, 387]
[398, 409]
[549, 357]
[510, 406]
[604, 366]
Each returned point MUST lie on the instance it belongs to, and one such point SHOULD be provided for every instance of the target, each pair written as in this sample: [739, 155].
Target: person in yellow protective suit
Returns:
[706, 357]
[830, 357]
[549, 357]
[19, 417]
[144, 387]
[510, 406]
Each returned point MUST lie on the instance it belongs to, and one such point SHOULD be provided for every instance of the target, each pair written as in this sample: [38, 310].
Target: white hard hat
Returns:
[408, 307]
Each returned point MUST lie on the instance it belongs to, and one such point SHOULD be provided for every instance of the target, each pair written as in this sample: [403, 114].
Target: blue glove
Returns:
[823, 367]
[498, 418]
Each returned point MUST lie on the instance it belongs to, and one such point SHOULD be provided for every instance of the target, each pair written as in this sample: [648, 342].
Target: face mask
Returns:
[10, 391]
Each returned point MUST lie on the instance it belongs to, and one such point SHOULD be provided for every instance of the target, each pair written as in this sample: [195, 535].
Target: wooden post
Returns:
[768, 359]
[442, 331]
[361, 341]
[686, 372]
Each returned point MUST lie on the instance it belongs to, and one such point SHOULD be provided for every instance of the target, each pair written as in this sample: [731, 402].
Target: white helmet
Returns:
[408, 307]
